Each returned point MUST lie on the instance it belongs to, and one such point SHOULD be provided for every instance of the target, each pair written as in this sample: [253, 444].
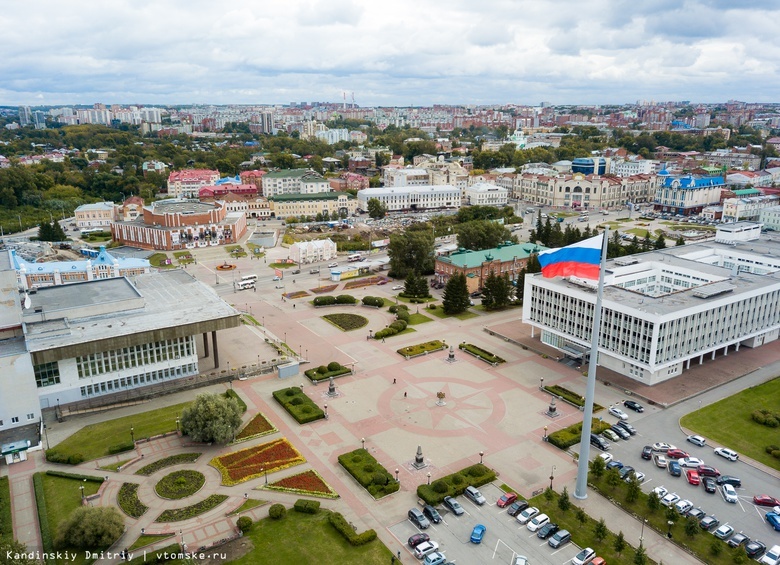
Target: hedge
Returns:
[345, 299]
[373, 301]
[570, 397]
[178, 514]
[300, 406]
[306, 506]
[565, 438]
[43, 516]
[230, 393]
[53, 456]
[322, 373]
[168, 462]
[422, 348]
[369, 473]
[455, 483]
[324, 300]
[483, 354]
[121, 447]
[345, 529]
[75, 476]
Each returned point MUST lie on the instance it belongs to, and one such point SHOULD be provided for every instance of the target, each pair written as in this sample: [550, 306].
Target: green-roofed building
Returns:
[746, 192]
[509, 258]
[289, 181]
[298, 204]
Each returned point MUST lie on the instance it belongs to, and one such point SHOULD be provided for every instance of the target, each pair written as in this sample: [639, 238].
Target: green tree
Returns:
[716, 547]
[680, 241]
[497, 291]
[620, 543]
[15, 553]
[647, 243]
[632, 494]
[597, 468]
[90, 528]
[600, 530]
[640, 556]
[549, 494]
[563, 501]
[691, 526]
[376, 208]
[456, 295]
[613, 478]
[582, 517]
[653, 502]
[411, 250]
[671, 514]
[482, 234]
[660, 242]
[415, 286]
[739, 555]
[211, 418]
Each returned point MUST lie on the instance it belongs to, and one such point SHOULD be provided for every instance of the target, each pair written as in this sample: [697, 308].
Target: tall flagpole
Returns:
[581, 489]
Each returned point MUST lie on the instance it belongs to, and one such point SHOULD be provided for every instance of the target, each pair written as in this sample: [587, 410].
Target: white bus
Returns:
[355, 257]
[249, 278]
[244, 285]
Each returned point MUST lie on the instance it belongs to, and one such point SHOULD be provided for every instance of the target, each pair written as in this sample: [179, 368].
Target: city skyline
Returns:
[411, 54]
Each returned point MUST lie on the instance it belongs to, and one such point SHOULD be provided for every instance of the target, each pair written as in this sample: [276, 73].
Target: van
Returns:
[559, 538]
[418, 518]
[474, 495]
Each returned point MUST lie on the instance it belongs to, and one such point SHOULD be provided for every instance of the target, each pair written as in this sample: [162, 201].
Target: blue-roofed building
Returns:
[101, 266]
[590, 166]
[686, 194]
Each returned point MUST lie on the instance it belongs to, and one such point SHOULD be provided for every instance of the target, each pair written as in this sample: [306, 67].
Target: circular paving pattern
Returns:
[180, 484]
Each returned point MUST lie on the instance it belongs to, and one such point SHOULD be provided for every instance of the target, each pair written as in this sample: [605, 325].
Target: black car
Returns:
[709, 523]
[738, 539]
[709, 484]
[697, 513]
[547, 530]
[729, 480]
[647, 452]
[626, 426]
[516, 507]
[625, 471]
[755, 549]
[432, 514]
[599, 442]
[634, 405]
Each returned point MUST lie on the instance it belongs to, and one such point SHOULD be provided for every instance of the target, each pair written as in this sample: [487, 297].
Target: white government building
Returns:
[485, 194]
[416, 198]
[667, 309]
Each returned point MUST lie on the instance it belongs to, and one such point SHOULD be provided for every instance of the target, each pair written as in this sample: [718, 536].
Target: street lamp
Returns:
[481, 455]
[266, 476]
[670, 523]
[545, 434]
[429, 477]
[132, 434]
[362, 443]
[642, 533]
[46, 433]
[552, 476]
[82, 493]
[177, 424]
[326, 411]
[541, 383]
[396, 474]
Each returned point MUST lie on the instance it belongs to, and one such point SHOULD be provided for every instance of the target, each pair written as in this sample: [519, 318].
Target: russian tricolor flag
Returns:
[581, 259]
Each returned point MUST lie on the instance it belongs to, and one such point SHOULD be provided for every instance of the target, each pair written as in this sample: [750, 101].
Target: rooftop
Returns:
[297, 196]
[466, 259]
[180, 206]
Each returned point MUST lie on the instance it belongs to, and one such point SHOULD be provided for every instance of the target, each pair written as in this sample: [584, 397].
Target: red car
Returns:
[506, 500]
[692, 476]
[765, 500]
[417, 539]
[676, 454]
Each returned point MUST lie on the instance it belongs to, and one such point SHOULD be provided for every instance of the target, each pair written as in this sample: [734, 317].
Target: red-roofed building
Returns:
[187, 182]
[347, 181]
[221, 190]
[254, 177]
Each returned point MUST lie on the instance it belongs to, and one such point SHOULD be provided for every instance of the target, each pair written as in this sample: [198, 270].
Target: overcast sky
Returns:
[399, 53]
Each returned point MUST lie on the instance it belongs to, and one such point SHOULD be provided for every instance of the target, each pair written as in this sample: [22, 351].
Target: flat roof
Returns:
[173, 206]
[467, 259]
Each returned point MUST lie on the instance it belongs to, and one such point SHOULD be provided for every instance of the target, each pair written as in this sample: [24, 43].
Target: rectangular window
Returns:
[30, 417]
[47, 374]
[15, 420]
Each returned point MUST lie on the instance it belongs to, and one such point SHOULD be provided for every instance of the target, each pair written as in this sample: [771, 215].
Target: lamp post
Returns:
[642, 532]
[132, 434]
[396, 474]
[362, 443]
[541, 383]
[669, 531]
[481, 455]
[285, 337]
[81, 488]
[177, 424]
[429, 477]
[545, 434]
[263, 321]
[326, 411]
[265, 473]
[552, 476]
[46, 433]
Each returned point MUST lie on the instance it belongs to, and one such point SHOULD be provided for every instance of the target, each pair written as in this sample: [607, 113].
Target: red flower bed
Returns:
[254, 461]
[256, 426]
[322, 289]
[307, 483]
[368, 281]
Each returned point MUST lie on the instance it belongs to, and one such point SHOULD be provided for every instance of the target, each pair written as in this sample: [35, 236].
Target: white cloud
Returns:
[406, 52]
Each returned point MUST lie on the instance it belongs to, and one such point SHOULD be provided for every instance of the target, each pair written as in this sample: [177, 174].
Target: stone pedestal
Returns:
[332, 392]
[419, 461]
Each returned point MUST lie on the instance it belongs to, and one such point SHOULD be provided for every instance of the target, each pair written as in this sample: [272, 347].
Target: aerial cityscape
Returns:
[340, 282]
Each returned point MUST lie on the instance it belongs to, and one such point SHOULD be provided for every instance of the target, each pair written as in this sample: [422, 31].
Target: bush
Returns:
[766, 417]
[324, 301]
[230, 393]
[441, 487]
[76, 476]
[322, 369]
[277, 511]
[334, 366]
[129, 502]
[403, 315]
[369, 473]
[478, 475]
[398, 326]
[295, 404]
[306, 506]
[244, 524]
[421, 348]
[55, 457]
[43, 519]
[345, 299]
[345, 529]
[373, 301]
[121, 448]
[570, 397]
[90, 528]
[565, 438]
[483, 354]
[432, 307]
[322, 372]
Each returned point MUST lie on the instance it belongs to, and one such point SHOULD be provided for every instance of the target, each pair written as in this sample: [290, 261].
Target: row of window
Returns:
[15, 419]
[124, 383]
[134, 356]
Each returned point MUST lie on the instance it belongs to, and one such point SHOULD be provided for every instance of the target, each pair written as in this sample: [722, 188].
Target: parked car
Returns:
[765, 500]
[670, 499]
[708, 471]
[332, 265]
[547, 530]
[660, 492]
[647, 453]
[478, 533]
[662, 447]
[537, 522]
[696, 440]
[559, 538]
[606, 457]
[618, 413]
[516, 507]
[506, 499]
[682, 506]
[690, 462]
[527, 514]
[610, 435]
[583, 557]
[773, 518]
[676, 454]
[417, 539]
[313, 271]
[633, 405]
[638, 475]
[425, 548]
[709, 484]
[738, 539]
[625, 471]
[697, 513]
[418, 518]
[674, 468]
[432, 514]
[772, 556]
[726, 453]
[520, 560]
[627, 427]
[615, 464]
[693, 477]
[599, 442]
[474, 495]
[398, 287]
[729, 480]
[620, 431]
[709, 523]
[296, 272]
[723, 532]
[276, 278]
[660, 461]
[435, 558]
[755, 549]
[453, 505]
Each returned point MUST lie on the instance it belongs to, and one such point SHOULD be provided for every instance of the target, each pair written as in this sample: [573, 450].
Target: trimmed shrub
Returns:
[306, 506]
[480, 353]
[55, 457]
[304, 410]
[565, 438]
[345, 299]
[478, 475]
[373, 301]
[230, 393]
[369, 473]
[244, 524]
[43, 520]
[121, 448]
[570, 397]
[322, 372]
[345, 529]
[324, 300]
[334, 366]
[277, 511]
[75, 476]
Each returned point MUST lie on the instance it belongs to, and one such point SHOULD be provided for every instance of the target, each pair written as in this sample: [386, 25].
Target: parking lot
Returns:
[504, 538]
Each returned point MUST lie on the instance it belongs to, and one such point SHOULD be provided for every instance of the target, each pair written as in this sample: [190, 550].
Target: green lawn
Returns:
[439, 313]
[94, 440]
[741, 434]
[307, 539]
[63, 496]
[415, 319]
[147, 539]
[6, 529]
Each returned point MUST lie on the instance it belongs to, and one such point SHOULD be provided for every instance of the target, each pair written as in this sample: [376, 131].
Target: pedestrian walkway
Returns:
[23, 508]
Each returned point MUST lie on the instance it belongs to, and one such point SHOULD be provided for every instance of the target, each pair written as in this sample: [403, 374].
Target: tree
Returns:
[613, 478]
[482, 234]
[632, 495]
[600, 530]
[15, 553]
[456, 295]
[376, 208]
[680, 241]
[411, 250]
[660, 243]
[211, 418]
[90, 528]
[620, 543]
[582, 517]
[653, 502]
[244, 524]
[640, 557]
[597, 468]
[563, 501]
[691, 526]
[415, 286]
[497, 291]
[671, 514]
[549, 494]
[647, 243]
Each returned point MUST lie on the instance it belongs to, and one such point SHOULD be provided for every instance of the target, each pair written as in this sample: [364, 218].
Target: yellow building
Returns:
[297, 204]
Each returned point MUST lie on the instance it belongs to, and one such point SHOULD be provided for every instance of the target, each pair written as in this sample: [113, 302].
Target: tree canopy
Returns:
[376, 208]
[456, 295]
[211, 418]
[483, 234]
[90, 528]
[409, 251]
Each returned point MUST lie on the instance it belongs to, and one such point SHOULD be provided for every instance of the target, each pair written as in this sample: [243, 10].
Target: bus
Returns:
[252, 278]
[355, 257]
[244, 285]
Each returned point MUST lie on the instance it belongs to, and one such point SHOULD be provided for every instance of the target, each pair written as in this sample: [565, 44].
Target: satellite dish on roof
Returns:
[27, 301]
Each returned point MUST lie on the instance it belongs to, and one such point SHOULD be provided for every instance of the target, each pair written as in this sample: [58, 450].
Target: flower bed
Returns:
[179, 484]
[367, 281]
[571, 397]
[306, 483]
[252, 462]
[128, 501]
[422, 348]
[187, 512]
[480, 353]
[454, 484]
[322, 289]
[296, 294]
[369, 473]
[299, 406]
[257, 427]
[347, 322]
[168, 462]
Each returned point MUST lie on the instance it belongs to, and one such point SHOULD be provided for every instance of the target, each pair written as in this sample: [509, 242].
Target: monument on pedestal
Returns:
[419, 461]
[332, 388]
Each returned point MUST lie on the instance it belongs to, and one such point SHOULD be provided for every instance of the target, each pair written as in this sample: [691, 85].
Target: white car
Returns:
[640, 477]
[538, 522]
[527, 514]
[726, 453]
[618, 413]
[398, 287]
[696, 440]
[584, 556]
[682, 506]
[670, 499]
[425, 548]
[660, 492]
[729, 493]
[662, 447]
[690, 462]
[660, 461]
[607, 457]
[332, 265]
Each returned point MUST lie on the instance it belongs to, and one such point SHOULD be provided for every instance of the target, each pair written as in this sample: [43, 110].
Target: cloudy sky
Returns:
[404, 52]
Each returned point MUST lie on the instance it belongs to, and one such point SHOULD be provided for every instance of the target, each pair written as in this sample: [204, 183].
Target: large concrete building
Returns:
[68, 343]
[340, 204]
[187, 182]
[294, 181]
[686, 195]
[578, 190]
[97, 215]
[665, 310]
[484, 194]
[412, 198]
